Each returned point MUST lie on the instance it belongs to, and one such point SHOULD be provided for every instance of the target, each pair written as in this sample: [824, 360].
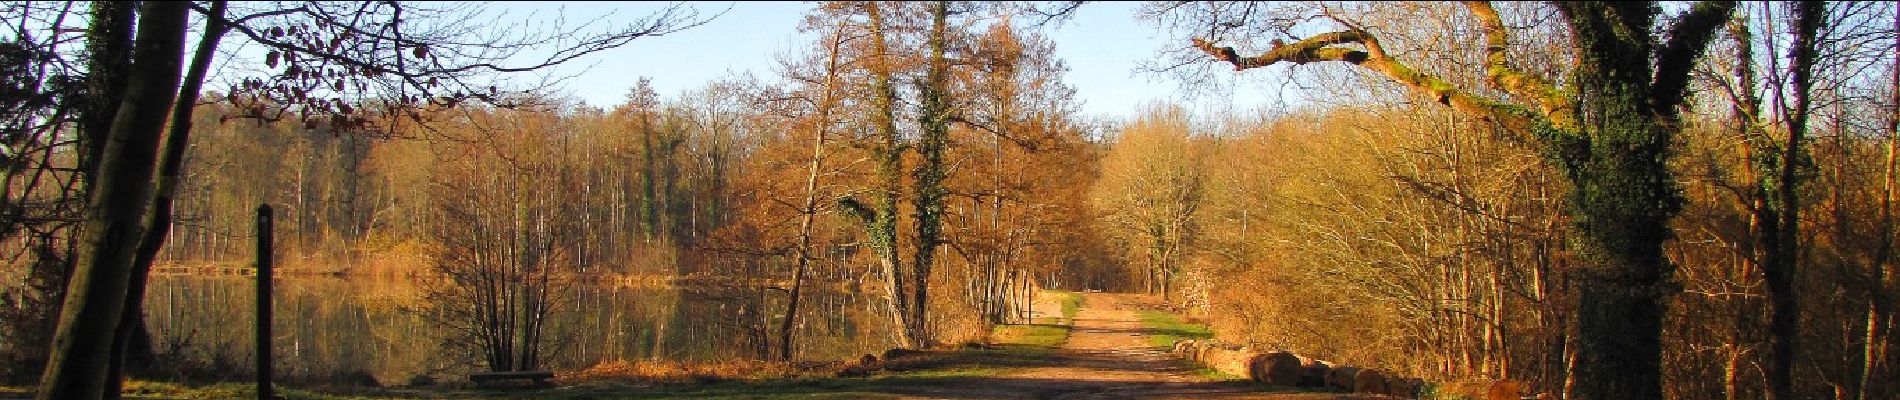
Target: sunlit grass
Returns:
[1166, 329]
[1071, 301]
[1046, 332]
[1041, 335]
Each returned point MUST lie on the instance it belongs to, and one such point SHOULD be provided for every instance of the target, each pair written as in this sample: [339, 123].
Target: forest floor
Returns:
[1102, 346]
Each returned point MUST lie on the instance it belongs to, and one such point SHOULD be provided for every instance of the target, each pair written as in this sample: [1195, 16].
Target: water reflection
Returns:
[356, 328]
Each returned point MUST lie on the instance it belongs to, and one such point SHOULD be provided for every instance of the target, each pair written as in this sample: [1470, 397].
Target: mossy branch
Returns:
[1547, 99]
[1324, 47]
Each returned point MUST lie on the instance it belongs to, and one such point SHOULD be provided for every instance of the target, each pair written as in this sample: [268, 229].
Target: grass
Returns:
[1045, 334]
[1166, 329]
[1036, 335]
[1070, 301]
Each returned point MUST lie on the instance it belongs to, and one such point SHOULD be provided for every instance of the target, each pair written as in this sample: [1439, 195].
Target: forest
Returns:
[1592, 200]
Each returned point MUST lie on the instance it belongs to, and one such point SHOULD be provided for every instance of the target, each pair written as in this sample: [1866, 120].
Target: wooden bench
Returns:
[535, 378]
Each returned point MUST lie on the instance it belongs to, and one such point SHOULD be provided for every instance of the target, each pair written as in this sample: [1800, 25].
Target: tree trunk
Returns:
[810, 209]
[1623, 199]
[1781, 231]
[1877, 284]
[932, 116]
[881, 224]
[95, 296]
[649, 198]
[1743, 112]
[133, 340]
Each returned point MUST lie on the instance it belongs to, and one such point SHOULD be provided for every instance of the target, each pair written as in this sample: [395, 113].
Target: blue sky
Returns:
[1103, 46]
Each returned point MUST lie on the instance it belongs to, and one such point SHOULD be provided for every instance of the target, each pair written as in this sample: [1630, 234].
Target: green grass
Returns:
[1037, 335]
[1045, 334]
[1168, 328]
[1071, 301]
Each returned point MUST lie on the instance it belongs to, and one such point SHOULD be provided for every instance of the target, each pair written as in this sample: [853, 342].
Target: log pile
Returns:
[1283, 368]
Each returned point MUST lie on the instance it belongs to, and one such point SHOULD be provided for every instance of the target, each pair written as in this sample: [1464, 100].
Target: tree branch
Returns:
[1692, 33]
[1550, 101]
[1321, 48]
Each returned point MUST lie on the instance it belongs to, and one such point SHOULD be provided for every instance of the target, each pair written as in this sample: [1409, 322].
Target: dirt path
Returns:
[1109, 356]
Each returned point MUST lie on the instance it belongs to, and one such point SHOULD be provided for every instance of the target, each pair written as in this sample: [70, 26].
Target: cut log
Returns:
[1401, 387]
[1221, 358]
[1206, 349]
[1186, 348]
[1232, 360]
[1276, 368]
[1313, 372]
[1341, 377]
[1368, 381]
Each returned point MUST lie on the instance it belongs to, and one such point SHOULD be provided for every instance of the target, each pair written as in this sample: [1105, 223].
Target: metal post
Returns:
[263, 302]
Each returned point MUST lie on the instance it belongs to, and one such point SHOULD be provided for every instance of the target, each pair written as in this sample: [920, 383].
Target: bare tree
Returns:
[508, 248]
[820, 123]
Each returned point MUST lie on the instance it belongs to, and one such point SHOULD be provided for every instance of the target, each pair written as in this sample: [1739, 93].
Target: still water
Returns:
[350, 328]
